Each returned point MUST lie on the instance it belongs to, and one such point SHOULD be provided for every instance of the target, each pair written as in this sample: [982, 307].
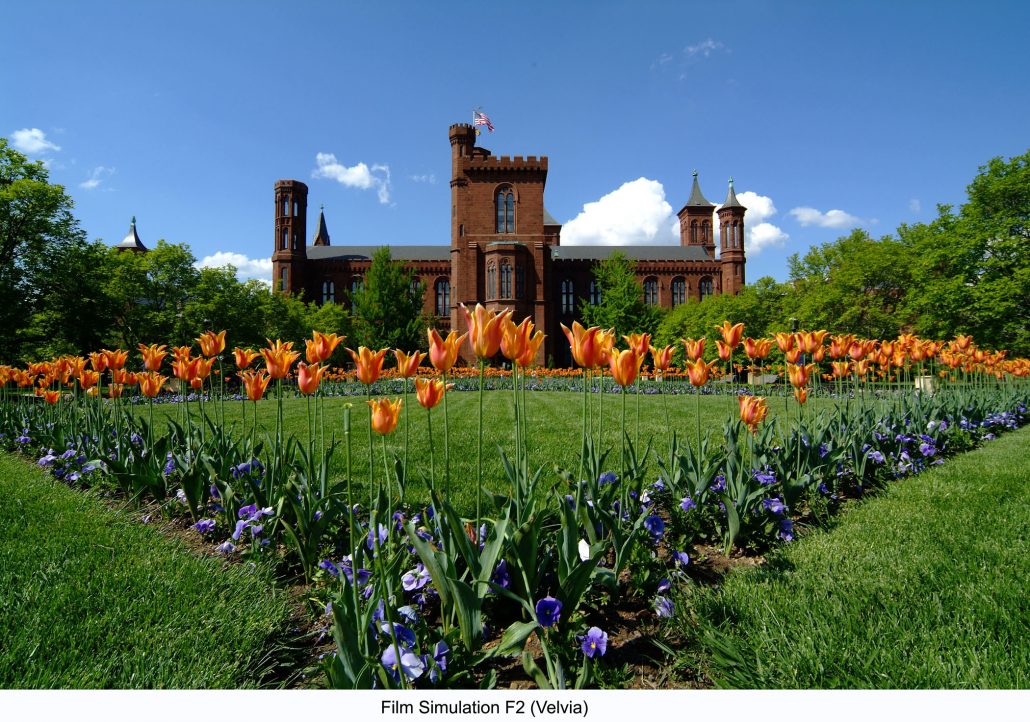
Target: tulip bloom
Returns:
[532, 347]
[840, 345]
[698, 372]
[114, 391]
[98, 361]
[369, 365]
[444, 353]
[809, 341]
[731, 333]
[801, 394]
[753, 410]
[798, 374]
[309, 377]
[639, 342]
[430, 392]
[695, 349]
[88, 379]
[182, 352]
[321, 346]
[51, 397]
[255, 383]
[279, 357]
[963, 342]
[204, 368]
[211, 343]
[724, 349]
[153, 355]
[121, 376]
[841, 369]
[624, 365]
[792, 355]
[484, 329]
[662, 358]
[385, 414]
[115, 359]
[185, 369]
[150, 384]
[757, 348]
[586, 346]
[515, 339]
[407, 366]
[244, 357]
[784, 341]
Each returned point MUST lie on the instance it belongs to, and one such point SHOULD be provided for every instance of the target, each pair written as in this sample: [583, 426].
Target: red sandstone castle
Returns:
[506, 251]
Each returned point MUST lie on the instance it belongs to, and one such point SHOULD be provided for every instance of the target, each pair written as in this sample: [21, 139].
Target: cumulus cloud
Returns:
[705, 48]
[96, 177]
[830, 219]
[758, 232]
[636, 213]
[429, 178]
[32, 141]
[360, 176]
[246, 268]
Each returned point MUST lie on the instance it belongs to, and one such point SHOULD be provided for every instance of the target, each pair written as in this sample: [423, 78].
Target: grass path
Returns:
[923, 586]
[91, 598]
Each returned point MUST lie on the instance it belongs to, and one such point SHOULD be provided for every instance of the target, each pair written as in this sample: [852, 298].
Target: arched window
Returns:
[679, 291]
[356, 284]
[284, 278]
[505, 210]
[491, 282]
[595, 293]
[328, 292]
[295, 240]
[505, 279]
[705, 286]
[568, 301]
[738, 235]
[415, 285]
[520, 280]
[651, 292]
[693, 231]
[443, 297]
[286, 238]
[286, 206]
[296, 208]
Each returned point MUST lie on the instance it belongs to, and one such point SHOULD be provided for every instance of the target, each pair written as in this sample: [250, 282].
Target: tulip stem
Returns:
[432, 458]
[371, 454]
[479, 456]
[583, 444]
[446, 445]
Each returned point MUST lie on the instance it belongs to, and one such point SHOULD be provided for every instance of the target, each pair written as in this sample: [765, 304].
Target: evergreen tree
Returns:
[622, 304]
[388, 307]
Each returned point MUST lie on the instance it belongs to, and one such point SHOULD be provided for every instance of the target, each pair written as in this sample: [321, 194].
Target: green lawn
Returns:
[923, 586]
[92, 598]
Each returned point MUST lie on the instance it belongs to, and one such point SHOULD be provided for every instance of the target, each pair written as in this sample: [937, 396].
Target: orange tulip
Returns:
[204, 367]
[279, 357]
[515, 339]
[150, 384]
[121, 376]
[532, 347]
[695, 349]
[862, 368]
[784, 341]
[94, 392]
[585, 344]
[840, 368]
[185, 369]
[309, 377]
[731, 333]
[430, 392]
[115, 359]
[698, 371]
[321, 346]
[385, 414]
[624, 365]
[662, 358]
[639, 342]
[114, 391]
[840, 345]
[182, 352]
[444, 353]
[484, 329]
[605, 345]
[819, 354]
[407, 365]
[211, 343]
[798, 374]
[724, 349]
[88, 379]
[197, 383]
[244, 357]
[153, 355]
[801, 394]
[369, 365]
[792, 355]
[255, 383]
[99, 361]
[757, 348]
[809, 341]
[752, 411]
[51, 397]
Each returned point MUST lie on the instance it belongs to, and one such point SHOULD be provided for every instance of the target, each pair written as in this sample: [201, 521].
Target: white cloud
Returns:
[914, 205]
[246, 268]
[96, 177]
[830, 219]
[634, 214]
[429, 178]
[758, 232]
[32, 140]
[705, 48]
[357, 176]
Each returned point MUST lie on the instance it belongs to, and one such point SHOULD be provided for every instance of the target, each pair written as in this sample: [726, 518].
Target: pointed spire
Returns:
[131, 242]
[696, 197]
[322, 235]
[731, 198]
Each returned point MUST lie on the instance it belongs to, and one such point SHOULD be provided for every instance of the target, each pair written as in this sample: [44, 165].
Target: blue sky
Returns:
[827, 115]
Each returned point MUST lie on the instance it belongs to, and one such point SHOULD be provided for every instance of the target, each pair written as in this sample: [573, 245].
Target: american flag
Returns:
[480, 118]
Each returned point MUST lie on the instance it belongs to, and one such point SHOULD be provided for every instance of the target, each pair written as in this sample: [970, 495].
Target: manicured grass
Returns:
[92, 598]
[554, 421]
[923, 586]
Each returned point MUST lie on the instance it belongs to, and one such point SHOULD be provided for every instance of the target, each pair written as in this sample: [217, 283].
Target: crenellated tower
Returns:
[731, 235]
[289, 256]
[696, 221]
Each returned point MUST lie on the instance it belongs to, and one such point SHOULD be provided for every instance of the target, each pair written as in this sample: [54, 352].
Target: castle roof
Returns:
[322, 236]
[731, 199]
[697, 199]
[550, 220]
[365, 253]
[131, 240]
[637, 253]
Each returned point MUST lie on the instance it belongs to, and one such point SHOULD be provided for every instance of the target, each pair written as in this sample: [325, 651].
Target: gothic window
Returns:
[443, 297]
[737, 235]
[286, 206]
[693, 231]
[568, 302]
[328, 292]
[520, 280]
[296, 208]
[679, 291]
[286, 239]
[295, 240]
[651, 292]
[505, 280]
[595, 293]
[505, 210]
[491, 282]
[284, 277]
[706, 288]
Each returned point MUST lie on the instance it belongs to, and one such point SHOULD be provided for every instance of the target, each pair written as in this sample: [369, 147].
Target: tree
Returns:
[36, 223]
[388, 307]
[759, 306]
[622, 304]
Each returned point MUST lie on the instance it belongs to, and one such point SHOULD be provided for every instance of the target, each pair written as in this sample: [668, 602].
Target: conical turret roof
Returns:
[322, 235]
[731, 199]
[131, 241]
[697, 199]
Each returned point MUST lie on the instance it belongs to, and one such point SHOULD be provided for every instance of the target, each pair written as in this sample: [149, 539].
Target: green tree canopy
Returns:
[622, 304]
[758, 306]
[388, 307]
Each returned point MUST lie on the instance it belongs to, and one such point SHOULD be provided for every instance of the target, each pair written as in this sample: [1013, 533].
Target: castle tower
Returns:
[696, 221]
[322, 234]
[289, 255]
[731, 235]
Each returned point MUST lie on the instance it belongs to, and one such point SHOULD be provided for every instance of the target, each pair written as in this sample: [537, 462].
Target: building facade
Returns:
[505, 250]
